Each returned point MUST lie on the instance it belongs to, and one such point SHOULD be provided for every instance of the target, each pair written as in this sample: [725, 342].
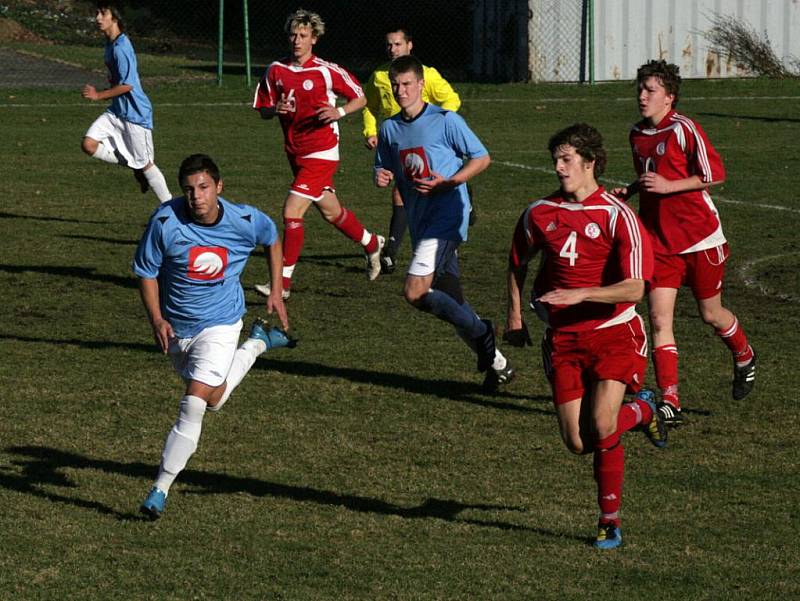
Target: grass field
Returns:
[366, 463]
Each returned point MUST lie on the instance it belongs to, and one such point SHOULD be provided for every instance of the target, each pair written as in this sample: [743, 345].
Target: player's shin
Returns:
[157, 183]
[181, 441]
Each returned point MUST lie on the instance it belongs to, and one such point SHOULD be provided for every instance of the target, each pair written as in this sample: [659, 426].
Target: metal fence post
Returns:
[246, 41]
[220, 39]
[590, 27]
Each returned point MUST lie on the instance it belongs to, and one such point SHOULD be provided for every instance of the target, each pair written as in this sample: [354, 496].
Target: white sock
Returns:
[105, 153]
[157, 183]
[243, 360]
[181, 441]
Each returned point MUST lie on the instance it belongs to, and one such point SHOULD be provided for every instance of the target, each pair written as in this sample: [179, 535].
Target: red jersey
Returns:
[678, 148]
[597, 242]
[311, 86]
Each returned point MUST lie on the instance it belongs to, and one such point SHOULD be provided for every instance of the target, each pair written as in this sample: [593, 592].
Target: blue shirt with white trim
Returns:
[133, 106]
[198, 266]
[435, 140]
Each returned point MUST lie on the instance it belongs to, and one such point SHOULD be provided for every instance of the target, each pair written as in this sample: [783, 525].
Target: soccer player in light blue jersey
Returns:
[431, 153]
[189, 262]
[123, 134]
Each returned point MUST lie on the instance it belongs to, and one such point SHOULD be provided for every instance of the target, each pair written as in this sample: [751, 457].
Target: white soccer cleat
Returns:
[374, 260]
[265, 289]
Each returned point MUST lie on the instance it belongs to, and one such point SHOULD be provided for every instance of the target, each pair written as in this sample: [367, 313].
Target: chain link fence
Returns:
[491, 40]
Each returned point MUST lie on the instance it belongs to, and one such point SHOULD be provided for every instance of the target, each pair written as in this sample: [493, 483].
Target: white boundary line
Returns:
[746, 272]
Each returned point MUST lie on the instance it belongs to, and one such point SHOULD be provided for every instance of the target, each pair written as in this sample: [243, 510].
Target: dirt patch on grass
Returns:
[11, 31]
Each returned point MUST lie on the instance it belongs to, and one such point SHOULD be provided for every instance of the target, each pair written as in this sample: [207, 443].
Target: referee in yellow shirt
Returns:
[382, 105]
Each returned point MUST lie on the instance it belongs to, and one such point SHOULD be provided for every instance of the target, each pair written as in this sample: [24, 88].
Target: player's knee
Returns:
[414, 297]
[605, 429]
[661, 322]
[574, 445]
[89, 146]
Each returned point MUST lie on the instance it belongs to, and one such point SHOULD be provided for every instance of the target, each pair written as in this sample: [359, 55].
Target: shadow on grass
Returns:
[5, 215]
[102, 239]
[467, 392]
[87, 344]
[41, 466]
[84, 273]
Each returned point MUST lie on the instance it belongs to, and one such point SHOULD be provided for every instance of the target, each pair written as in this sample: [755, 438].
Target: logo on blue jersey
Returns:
[415, 163]
[207, 262]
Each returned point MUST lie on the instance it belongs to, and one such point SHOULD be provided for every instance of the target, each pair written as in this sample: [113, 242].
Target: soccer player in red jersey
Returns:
[676, 164]
[302, 90]
[596, 260]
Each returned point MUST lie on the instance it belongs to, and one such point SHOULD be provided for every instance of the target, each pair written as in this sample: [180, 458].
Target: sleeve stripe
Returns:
[702, 152]
[357, 90]
[634, 233]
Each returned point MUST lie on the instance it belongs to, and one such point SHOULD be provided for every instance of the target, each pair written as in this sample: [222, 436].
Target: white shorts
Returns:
[434, 255]
[132, 141]
[206, 357]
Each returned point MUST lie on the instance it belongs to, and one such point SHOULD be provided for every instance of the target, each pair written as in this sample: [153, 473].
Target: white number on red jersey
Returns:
[569, 250]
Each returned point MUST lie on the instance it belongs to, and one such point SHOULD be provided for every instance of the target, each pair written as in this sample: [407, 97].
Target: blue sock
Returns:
[442, 305]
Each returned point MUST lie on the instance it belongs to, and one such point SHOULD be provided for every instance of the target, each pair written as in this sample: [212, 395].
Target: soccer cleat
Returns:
[388, 264]
[472, 217]
[373, 260]
[485, 347]
[154, 503]
[144, 186]
[609, 536]
[672, 415]
[495, 378]
[744, 378]
[265, 289]
[655, 429]
[272, 337]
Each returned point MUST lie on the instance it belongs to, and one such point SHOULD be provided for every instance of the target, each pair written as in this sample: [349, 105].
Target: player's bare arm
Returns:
[275, 299]
[162, 330]
[436, 182]
[626, 192]
[630, 290]
[515, 285]
[658, 184]
[90, 92]
[329, 114]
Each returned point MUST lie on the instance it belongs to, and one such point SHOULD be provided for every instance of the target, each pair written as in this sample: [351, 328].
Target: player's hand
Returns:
[286, 104]
[275, 304]
[621, 193]
[563, 296]
[371, 142]
[433, 183]
[328, 114]
[383, 177]
[89, 92]
[163, 333]
[518, 336]
[653, 182]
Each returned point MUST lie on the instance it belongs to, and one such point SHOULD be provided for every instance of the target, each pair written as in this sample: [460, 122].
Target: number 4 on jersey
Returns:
[569, 250]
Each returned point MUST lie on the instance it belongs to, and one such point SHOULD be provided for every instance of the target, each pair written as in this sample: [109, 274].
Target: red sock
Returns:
[609, 468]
[632, 414]
[665, 363]
[735, 339]
[350, 226]
[293, 237]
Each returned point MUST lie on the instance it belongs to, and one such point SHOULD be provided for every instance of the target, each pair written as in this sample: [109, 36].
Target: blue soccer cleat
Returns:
[655, 429]
[609, 536]
[272, 337]
[153, 505]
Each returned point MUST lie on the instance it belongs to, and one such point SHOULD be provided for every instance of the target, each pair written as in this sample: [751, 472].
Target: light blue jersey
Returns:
[436, 140]
[134, 106]
[198, 266]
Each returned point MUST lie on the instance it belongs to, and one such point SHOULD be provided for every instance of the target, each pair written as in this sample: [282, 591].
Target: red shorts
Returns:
[702, 271]
[312, 177]
[574, 361]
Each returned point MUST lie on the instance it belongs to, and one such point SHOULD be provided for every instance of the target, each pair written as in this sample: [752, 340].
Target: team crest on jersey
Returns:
[661, 148]
[415, 163]
[308, 84]
[207, 262]
[592, 230]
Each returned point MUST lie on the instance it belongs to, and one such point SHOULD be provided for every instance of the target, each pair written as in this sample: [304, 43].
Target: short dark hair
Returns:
[402, 29]
[404, 64]
[586, 141]
[197, 163]
[667, 73]
[114, 10]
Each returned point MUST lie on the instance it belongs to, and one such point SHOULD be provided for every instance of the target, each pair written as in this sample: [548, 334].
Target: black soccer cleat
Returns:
[495, 378]
[485, 347]
[744, 378]
[388, 264]
[672, 415]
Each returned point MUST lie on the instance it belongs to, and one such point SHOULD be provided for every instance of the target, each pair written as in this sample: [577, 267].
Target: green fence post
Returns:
[220, 38]
[246, 41]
